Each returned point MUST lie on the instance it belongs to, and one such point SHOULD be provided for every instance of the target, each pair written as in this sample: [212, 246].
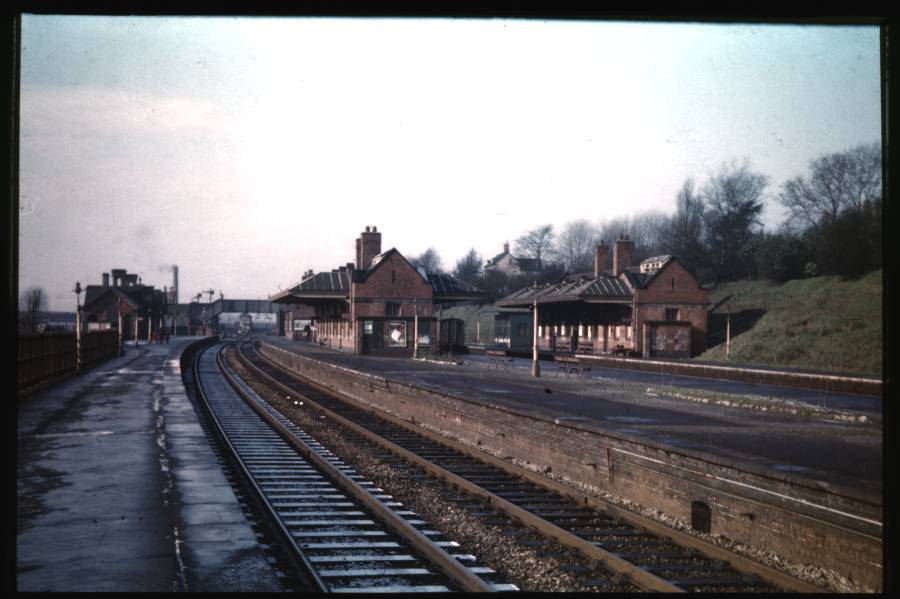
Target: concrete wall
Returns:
[803, 520]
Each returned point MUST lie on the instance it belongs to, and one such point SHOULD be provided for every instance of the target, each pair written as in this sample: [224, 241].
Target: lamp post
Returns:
[77, 291]
[121, 326]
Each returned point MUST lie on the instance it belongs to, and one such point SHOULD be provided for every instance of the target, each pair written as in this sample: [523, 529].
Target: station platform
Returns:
[846, 453]
[118, 487]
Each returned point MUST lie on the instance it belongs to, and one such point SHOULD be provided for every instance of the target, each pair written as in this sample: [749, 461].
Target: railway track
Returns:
[346, 534]
[650, 555]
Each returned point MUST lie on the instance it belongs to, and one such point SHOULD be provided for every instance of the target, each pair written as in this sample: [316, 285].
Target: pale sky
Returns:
[247, 150]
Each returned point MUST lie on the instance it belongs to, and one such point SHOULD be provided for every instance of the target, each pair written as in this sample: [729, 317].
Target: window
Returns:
[671, 313]
[392, 309]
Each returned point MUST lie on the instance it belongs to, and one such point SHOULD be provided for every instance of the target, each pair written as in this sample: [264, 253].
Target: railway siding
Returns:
[800, 519]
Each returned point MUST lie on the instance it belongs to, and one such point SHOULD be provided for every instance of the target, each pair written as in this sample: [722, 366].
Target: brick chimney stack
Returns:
[118, 277]
[601, 258]
[506, 247]
[623, 253]
[370, 246]
[106, 279]
[359, 263]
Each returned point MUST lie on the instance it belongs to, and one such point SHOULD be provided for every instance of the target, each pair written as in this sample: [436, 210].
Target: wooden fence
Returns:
[43, 357]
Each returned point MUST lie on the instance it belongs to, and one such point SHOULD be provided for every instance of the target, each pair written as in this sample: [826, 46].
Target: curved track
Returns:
[649, 554]
[347, 534]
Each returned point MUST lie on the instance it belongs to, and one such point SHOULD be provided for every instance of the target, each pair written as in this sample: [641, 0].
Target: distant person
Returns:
[307, 331]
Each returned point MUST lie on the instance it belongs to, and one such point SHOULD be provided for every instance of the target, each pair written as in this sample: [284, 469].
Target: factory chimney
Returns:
[174, 284]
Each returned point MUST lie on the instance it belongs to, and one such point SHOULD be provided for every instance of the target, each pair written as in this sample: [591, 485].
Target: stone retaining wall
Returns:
[803, 520]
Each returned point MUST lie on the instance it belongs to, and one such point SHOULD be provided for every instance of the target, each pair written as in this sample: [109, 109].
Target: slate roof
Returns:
[586, 287]
[572, 288]
[93, 294]
[336, 283]
[447, 285]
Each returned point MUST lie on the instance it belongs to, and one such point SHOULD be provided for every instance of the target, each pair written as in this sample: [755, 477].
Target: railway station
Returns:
[720, 468]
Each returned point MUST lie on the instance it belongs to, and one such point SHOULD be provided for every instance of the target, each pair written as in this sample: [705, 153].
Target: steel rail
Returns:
[309, 571]
[641, 577]
[442, 560]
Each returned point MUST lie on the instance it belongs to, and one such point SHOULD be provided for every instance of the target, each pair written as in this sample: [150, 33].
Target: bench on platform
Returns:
[498, 358]
[570, 364]
[620, 349]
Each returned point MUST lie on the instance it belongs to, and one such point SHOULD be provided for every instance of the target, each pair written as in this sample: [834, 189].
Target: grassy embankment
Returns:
[822, 323]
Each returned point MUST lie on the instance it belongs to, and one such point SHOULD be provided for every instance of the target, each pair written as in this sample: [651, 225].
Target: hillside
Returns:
[822, 323]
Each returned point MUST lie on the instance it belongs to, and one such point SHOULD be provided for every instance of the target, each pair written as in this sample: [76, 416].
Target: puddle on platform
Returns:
[631, 419]
[790, 468]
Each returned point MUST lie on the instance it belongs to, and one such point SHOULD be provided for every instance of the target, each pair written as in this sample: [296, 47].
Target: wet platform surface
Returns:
[118, 488]
[844, 453]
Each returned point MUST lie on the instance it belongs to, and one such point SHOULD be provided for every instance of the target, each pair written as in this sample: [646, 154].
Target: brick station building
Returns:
[123, 293]
[656, 308]
[377, 307]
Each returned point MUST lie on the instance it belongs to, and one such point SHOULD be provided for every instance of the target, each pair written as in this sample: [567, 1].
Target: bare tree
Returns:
[575, 246]
[468, 268]
[429, 260]
[535, 243]
[837, 182]
[684, 235]
[733, 205]
[32, 303]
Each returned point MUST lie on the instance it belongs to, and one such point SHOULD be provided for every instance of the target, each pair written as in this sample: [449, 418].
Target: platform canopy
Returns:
[603, 289]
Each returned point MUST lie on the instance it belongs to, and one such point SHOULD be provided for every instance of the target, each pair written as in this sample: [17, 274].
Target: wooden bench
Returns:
[620, 350]
[569, 364]
[498, 358]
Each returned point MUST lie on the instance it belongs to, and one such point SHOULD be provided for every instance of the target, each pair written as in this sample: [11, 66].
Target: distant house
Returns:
[510, 265]
[656, 308]
[376, 305]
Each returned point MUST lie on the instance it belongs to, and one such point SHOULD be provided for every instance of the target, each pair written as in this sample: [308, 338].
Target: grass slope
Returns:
[822, 323]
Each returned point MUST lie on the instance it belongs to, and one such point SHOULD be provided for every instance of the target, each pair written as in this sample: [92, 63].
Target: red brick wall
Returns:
[396, 281]
[687, 296]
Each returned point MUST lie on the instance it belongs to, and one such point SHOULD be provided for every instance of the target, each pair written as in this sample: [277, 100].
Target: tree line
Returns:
[833, 227]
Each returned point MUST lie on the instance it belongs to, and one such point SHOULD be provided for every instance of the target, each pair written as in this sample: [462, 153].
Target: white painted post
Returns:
[416, 331]
[535, 365]
[728, 337]
[121, 332]
[78, 338]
